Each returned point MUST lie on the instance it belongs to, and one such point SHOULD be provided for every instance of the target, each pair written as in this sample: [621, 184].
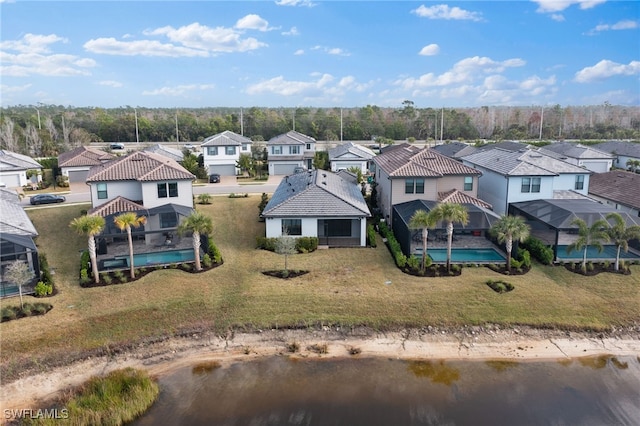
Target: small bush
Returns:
[515, 264]
[354, 351]
[120, 276]
[265, 243]
[525, 257]
[41, 289]
[455, 268]
[206, 260]
[500, 286]
[214, 252]
[539, 250]
[371, 236]
[204, 199]
[413, 262]
[84, 277]
[106, 278]
[293, 347]
[27, 309]
[306, 244]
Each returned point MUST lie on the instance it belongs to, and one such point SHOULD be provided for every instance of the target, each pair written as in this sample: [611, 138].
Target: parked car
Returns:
[190, 147]
[214, 178]
[116, 146]
[46, 199]
[299, 169]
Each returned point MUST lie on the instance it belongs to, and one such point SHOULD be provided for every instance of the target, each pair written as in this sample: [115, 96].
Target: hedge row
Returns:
[303, 244]
[394, 245]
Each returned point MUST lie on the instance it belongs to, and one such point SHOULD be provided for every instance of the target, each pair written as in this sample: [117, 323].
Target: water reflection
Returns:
[279, 391]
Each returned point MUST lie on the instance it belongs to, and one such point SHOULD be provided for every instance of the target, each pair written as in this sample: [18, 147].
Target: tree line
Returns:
[47, 130]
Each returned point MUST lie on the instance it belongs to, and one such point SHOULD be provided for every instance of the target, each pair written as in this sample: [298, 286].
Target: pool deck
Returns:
[461, 242]
[121, 248]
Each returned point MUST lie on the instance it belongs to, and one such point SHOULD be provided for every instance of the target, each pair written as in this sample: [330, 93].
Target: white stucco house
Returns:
[350, 155]
[622, 151]
[318, 204]
[75, 164]
[14, 168]
[221, 152]
[525, 175]
[288, 151]
[579, 155]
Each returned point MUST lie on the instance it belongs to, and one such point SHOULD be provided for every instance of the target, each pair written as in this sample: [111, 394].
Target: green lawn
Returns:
[345, 287]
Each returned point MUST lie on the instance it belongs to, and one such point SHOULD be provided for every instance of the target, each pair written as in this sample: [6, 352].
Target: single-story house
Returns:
[14, 168]
[584, 156]
[166, 151]
[318, 204]
[75, 164]
[623, 151]
[619, 189]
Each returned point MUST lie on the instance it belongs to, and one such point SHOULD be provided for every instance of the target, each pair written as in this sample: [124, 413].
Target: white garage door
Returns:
[78, 176]
[223, 170]
[10, 181]
[283, 169]
[596, 166]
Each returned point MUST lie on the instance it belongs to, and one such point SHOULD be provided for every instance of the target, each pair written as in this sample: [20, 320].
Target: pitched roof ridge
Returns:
[335, 194]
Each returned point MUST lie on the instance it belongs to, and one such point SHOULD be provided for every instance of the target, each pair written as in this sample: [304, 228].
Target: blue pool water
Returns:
[146, 259]
[479, 255]
[608, 252]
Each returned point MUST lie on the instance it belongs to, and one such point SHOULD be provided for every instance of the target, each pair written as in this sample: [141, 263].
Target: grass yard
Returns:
[346, 287]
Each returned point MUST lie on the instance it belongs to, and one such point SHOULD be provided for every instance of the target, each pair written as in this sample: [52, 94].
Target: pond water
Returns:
[378, 391]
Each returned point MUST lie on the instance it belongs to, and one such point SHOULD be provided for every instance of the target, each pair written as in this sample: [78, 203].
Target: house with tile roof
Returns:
[222, 151]
[455, 149]
[174, 154]
[288, 151]
[580, 155]
[622, 150]
[409, 173]
[75, 164]
[16, 241]
[318, 204]
[14, 168]
[619, 189]
[350, 155]
[515, 176]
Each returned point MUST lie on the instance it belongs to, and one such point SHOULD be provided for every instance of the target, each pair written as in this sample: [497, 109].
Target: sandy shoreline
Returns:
[472, 343]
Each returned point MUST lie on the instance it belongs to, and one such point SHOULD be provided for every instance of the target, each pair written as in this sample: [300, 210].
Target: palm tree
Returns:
[126, 221]
[449, 213]
[423, 220]
[90, 226]
[197, 223]
[508, 229]
[620, 234]
[589, 236]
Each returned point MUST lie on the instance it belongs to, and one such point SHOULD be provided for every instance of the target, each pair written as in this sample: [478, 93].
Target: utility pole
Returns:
[137, 135]
[241, 123]
[340, 124]
[541, 119]
[39, 124]
[177, 134]
[442, 127]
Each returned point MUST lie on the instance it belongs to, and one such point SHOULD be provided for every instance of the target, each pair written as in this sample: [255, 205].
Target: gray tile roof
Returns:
[410, 161]
[174, 154]
[350, 148]
[139, 166]
[628, 149]
[9, 195]
[573, 150]
[619, 186]
[450, 149]
[83, 156]
[13, 161]
[14, 220]
[506, 145]
[291, 138]
[517, 163]
[226, 138]
[317, 193]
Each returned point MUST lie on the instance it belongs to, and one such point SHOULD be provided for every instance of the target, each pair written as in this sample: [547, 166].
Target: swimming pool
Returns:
[147, 259]
[479, 255]
[608, 252]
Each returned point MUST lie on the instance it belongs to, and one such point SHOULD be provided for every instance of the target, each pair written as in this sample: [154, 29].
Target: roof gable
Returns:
[226, 138]
[411, 161]
[174, 154]
[14, 161]
[350, 150]
[139, 166]
[115, 206]
[619, 186]
[291, 138]
[522, 163]
[83, 156]
[573, 150]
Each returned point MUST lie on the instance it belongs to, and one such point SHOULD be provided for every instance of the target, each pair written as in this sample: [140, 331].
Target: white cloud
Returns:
[252, 22]
[558, 17]
[110, 83]
[443, 11]
[605, 69]
[111, 46]
[14, 89]
[32, 43]
[306, 3]
[177, 90]
[321, 87]
[219, 39]
[551, 6]
[430, 50]
[292, 32]
[54, 65]
[621, 25]
[299, 52]
[332, 50]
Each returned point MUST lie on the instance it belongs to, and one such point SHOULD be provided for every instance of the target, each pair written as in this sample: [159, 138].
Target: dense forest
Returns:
[46, 130]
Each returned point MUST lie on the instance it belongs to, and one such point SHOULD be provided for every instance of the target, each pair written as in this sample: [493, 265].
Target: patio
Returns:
[158, 243]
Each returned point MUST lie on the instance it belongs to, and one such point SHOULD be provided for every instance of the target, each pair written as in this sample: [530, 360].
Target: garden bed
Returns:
[10, 313]
[281, 273]
[596, 268]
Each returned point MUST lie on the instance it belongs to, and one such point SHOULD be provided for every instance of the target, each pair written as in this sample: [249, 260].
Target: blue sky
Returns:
[320, 53]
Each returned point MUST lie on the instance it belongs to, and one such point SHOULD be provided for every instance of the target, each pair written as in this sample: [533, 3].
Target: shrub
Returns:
[264, 200]
[120, 276]
[590, 266]
[401, 259]
[306, 244]
[265, 243]
[525, 258]
[371, 236]
[204, 199]
[539, 250]
[455, 268]
[206, 260]
[515, 264]
[62, 181]
[394, 245]
[27, 309]
[8, 313]
[413, 262]
[293, 347]
[84, 276]
[214, 252]
[85, 260]
[45, 272]
[106, 278]
[500, 286]
[41, 289]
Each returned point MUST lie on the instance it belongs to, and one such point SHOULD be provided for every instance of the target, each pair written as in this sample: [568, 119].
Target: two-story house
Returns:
[515, 176]
[75, 164]
[408, 173]
[350, 155]
[222, 151]
[584, 156]
[290, 150]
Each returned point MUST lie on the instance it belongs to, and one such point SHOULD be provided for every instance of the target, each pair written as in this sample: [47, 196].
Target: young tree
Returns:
[286, 245]
[423, 220]
[90, 226]
[126, 221]
[197, 223]
[508, 229]
[589, 236]
[18, 273]
[450, 213]
[245, 164]
[620, 234]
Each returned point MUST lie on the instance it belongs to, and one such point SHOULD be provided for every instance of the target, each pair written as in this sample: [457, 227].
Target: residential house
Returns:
[145, 183]
[408, 173]
[617, 188]
[350, 155]
[319, 204]
[222, 151]
[16, 241]
[584, 156]
[455, 149]
[515, 176]
[75, 164]
[15, 167]
[166, 151]
[623, 152]
[290, 150]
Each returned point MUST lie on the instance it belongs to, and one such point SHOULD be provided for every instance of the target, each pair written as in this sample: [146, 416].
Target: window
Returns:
[468, 183]
[308, 148]
[408, 186]
[165, 189]
[419, 186]
[339, 228]
[162, 190]
[102, 191]
[294, 149]
[173, 189]
[245, 147]
[230, 150]
[530, 185]
[168, 220]
[212, 150]
[292, 226]
[276, 149]
[579, 182]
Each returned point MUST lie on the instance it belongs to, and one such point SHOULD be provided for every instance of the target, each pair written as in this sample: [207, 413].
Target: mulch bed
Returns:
[39, 308]
[597, 269]
[434, 271]
[285, 275]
